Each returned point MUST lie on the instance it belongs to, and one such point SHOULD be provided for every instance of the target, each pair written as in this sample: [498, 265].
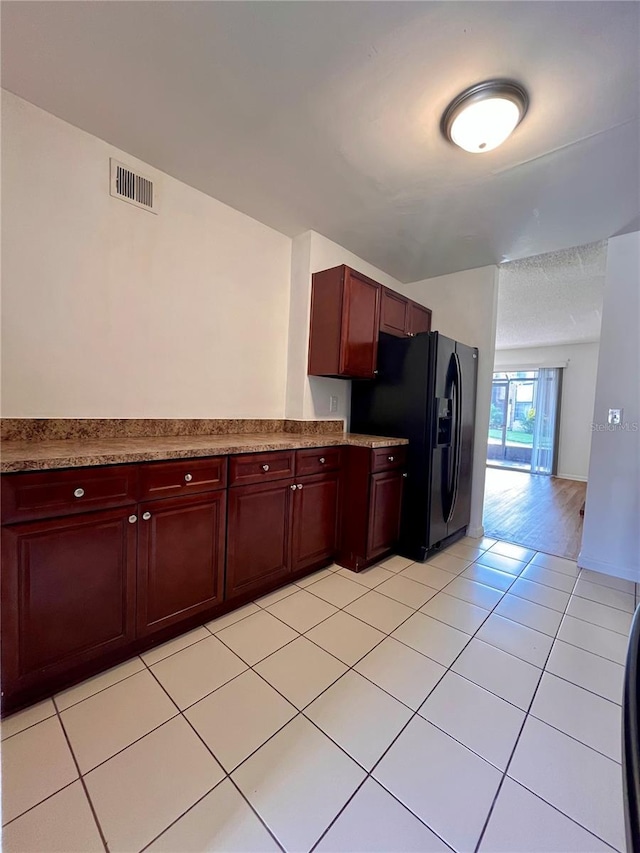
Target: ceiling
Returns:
[552, 299]
[325, 115]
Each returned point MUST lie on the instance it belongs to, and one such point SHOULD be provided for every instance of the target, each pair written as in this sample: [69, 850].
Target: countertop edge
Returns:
[76, 458]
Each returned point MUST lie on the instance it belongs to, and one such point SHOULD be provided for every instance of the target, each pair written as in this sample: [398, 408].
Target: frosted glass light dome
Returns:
[481, 118]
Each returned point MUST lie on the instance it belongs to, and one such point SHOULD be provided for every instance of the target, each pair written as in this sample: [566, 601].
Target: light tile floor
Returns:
[471, 703]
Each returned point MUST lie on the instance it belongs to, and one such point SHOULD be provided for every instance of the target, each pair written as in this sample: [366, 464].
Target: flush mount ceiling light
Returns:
[482, 117]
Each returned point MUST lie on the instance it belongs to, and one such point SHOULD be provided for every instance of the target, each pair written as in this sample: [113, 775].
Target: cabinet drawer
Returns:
[186, 477]
[48, 494]
[317, 460]
[386, 458]
[261, 467]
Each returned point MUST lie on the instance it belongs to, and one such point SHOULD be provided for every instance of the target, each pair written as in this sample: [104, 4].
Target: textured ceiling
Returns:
[552, 299]
[325, 115]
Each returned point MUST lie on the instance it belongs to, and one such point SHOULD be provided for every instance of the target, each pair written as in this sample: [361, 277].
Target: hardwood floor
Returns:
[536, 511]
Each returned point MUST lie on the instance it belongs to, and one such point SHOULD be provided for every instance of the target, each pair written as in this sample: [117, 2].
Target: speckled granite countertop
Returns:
[77, 453]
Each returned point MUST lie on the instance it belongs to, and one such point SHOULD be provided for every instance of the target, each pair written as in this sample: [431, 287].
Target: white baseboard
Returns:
[628, 572]
[475, 532]
[578, 477]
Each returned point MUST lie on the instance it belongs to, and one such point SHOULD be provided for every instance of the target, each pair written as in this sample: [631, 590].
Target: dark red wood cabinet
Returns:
[315, 520]
[373, 494]
[83, 590]
[348, 310]
[345, 318]
[258, 536]
[402, 317]
[180, 567]
[68, 594]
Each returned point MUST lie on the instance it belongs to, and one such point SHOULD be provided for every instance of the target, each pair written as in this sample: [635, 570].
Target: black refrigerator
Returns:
[425, 391]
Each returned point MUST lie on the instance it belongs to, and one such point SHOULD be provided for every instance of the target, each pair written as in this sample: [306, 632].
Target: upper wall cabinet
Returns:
[401, 317]
[345, 317]
[347, 312]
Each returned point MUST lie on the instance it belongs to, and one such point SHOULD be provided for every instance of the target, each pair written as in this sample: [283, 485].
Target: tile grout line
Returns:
[366, 589]
[513, 751]
[102, 835]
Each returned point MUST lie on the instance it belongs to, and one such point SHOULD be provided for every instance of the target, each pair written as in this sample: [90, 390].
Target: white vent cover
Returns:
[133, 187]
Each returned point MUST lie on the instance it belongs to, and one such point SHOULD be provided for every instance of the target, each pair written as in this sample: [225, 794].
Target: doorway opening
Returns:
[525, 419]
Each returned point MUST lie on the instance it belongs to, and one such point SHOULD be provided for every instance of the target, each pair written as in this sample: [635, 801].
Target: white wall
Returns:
[110, 311]
[611, 537]
[465, 306]
[578, 395]
[308, 396]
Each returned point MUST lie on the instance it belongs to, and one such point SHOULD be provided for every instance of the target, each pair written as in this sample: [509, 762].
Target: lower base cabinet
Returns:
[373, 506]
[315, 520]
[68, 594]
[85, 589]
[258, 536]
[180, 559]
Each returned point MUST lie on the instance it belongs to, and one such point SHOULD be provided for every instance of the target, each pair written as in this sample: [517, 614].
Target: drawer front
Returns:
[261, 467]
[48, 494]
[317, 460]
[186, 477]
[387, 458]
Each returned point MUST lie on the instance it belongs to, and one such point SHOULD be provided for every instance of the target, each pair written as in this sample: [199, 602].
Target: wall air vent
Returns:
[133, 187]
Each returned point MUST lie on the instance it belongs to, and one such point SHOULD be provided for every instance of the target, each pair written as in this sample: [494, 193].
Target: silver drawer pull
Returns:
[293, 488]
[188, 478]
[299, 485]
[405, 476]
[146, 516]
[78, 493]
[133, 519]
[322, 460]
[390, 458]
[265, 467]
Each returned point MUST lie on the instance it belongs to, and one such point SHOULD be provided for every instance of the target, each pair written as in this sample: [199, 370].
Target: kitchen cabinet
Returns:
[394, 313]
[315, 520]
[345, 319]
[418, 319]
[284, 527]
[348, 310]
[162, 546]
[68, 594]
[258, 536]
[402, 317]
[373, 495]
[180, 568]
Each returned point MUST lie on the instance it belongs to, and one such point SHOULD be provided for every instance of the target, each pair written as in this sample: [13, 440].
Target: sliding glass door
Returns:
[524, 420]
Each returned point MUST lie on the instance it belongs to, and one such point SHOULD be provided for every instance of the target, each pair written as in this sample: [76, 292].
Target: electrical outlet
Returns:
[333, 404]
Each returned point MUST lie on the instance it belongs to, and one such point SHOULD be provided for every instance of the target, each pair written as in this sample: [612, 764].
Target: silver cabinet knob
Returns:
[375, 372]
[133, 519]
[322, 460]
[265, 467]
[78, 493]
[293, 488]
[188, 478]
[405, 475]
[146, 516]
[390, 458]
[299, 485]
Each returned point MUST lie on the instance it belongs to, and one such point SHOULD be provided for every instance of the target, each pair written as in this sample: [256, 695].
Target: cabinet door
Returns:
[394, 313]
[361, 319]
[385, 505]
[315, 520]
[68, 594]
[180, 559]
[419, 319]
[258, 535]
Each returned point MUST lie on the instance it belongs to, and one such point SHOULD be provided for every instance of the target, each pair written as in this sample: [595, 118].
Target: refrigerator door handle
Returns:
[457, 431]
